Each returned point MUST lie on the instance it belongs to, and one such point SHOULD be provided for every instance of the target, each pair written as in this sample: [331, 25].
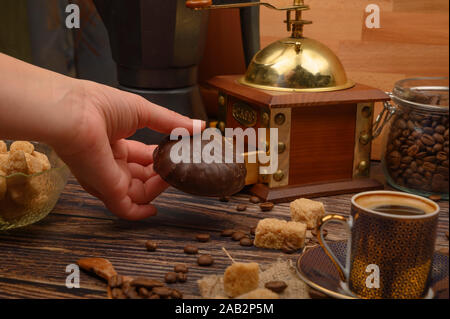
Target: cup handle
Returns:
[343, 270]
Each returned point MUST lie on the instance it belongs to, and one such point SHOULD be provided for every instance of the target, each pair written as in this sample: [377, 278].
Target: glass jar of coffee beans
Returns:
[415, 157]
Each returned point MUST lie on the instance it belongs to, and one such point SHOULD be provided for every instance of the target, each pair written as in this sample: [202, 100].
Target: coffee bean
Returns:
[171, 277]
[266, 207]
[427, 140]
[255, 200]
[131, 292]
[441, 156]
[190, 250]
[143, 292]
[162, 292]
[181, 277]
[146, 283]
[151, 246]
[181, 268]
[247, 242]
[440, 129]
[241, 208]
[276, 286]
[205, 260]
[176, 294]
[117, 293]
[315, 294]
[203, 238]
[154, 296]
[253, 231]
[238, 235]
[227, 233]
[435, 198]
[289, 248]
[115, 281]
[413, 150]
[438, 138]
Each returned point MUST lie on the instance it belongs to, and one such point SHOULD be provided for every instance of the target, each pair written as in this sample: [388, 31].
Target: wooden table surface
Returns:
[33, 259]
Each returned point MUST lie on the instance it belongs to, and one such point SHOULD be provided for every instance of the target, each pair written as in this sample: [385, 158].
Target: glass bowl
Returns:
[30, 198]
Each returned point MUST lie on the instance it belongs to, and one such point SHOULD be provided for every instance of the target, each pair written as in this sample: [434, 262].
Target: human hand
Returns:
[117, 171]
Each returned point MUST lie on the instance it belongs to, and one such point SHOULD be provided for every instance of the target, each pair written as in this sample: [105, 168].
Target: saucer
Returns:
[317, 270]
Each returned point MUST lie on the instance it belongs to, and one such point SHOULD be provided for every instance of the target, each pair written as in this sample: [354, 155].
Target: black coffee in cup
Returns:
[401, 210]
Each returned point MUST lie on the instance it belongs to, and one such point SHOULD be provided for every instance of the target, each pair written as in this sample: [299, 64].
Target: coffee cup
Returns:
[390, 247]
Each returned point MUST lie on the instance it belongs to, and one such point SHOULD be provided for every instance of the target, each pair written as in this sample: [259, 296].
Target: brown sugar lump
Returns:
[260, 293]
[3, 161]
[17, 163]
[240, 278]
[3, 147]
[274, 233]
[307, 211]
[34, 164]
[43, 159]
[24, 146]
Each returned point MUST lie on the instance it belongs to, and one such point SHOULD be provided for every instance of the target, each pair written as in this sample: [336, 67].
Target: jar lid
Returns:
[426, 93]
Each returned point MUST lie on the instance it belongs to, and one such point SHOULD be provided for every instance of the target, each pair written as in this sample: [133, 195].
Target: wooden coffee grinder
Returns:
[324, 120]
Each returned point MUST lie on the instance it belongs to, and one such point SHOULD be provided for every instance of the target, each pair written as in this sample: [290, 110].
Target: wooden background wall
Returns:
[413, 39]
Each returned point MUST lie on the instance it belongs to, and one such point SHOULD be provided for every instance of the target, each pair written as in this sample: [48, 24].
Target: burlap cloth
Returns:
[212, 286]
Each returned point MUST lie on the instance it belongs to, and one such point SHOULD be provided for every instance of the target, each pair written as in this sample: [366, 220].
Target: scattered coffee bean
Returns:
[435, 198]
[203, 238]
[227, 233]
[289, 248]
[181, 277]
[146, 283]
[176, 294]
[117, 293]
[115, 281]
[225, 199]
[247, 242]
[154, 296]
[143, 292]
[253, 231]
[181, 268]
[276, 286]
[151, 246]
[255, 200]
[241, 208]
[266, 207]
[162, 292]
[131, 292]
[205, 260]
[190, 250]
[315, 294]
[238, 235]
[171, 277]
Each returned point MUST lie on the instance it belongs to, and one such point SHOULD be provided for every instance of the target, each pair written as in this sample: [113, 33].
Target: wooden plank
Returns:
[418, 28]
[398, 58]
[420, 5]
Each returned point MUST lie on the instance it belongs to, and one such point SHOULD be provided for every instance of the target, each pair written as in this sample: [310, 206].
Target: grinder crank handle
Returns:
[207, 4]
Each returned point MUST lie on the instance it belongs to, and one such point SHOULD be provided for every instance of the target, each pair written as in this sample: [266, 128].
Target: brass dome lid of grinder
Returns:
[294, 64]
